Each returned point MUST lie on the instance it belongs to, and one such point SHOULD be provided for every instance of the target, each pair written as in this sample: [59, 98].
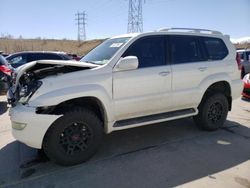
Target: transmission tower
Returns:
[135, 20]
[81, 22]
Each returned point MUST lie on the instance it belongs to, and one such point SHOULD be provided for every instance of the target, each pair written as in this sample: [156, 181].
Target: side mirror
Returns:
[127, 63]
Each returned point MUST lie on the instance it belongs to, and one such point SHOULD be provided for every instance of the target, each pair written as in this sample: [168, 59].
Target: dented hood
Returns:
[25, 68]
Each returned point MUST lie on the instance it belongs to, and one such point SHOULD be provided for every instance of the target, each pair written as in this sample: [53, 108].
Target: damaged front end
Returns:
[28, 79]
[24, 89]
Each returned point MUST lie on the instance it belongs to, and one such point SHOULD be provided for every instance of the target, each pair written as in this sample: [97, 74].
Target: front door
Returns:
[146, 90]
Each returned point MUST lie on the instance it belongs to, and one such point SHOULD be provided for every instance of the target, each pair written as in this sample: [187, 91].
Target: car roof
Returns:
[179, 31]
[35, 52]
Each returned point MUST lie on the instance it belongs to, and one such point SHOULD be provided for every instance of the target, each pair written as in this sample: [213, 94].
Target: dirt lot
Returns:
[168, 154]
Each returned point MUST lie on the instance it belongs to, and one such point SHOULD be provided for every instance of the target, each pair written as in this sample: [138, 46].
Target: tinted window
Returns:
[43, 56]
[185, 49]
[247, 55]
[150, 51]
[50, 56]
[241, 55]
[66, 57]
[216, 49]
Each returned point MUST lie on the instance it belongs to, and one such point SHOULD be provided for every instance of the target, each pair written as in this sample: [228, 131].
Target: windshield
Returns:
[102, 53]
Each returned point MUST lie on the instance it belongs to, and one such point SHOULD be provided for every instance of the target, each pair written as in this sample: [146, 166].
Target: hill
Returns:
[69, 46]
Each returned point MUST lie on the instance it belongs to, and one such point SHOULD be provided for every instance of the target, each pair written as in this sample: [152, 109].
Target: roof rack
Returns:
[191, 30]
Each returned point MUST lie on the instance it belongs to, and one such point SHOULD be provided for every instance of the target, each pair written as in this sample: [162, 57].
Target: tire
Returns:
[213, 112]
[73, 138]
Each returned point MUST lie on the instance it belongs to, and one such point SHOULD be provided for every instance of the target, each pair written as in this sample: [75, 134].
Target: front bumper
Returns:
[35, 127]
[246, 90]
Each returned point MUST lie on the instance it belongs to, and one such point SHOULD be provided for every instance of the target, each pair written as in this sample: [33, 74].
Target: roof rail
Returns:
[191, 30]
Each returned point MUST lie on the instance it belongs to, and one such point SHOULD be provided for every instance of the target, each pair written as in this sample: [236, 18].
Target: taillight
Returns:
[246, 78]
[238, 61]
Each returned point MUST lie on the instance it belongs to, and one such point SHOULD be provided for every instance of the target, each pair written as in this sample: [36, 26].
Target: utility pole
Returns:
[135, 18]
[81, 22]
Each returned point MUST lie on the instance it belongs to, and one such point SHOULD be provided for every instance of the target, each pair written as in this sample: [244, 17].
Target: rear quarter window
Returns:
[215, 47]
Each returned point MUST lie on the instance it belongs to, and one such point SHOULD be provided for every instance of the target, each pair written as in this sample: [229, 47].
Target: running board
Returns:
[155, 117]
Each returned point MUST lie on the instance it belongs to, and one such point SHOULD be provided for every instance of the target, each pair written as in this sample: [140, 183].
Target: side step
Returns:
[155, 117]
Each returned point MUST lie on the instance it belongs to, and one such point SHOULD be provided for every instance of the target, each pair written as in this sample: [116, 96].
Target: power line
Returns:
[135, 18]
[81, 22]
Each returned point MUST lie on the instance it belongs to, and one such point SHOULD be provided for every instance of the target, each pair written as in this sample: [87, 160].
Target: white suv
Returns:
[127, 81]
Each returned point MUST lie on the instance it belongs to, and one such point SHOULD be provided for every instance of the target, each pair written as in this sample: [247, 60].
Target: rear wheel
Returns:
[213, 112]
[73, 138]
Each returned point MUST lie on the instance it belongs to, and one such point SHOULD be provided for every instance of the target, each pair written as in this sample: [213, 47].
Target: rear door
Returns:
[190, 67]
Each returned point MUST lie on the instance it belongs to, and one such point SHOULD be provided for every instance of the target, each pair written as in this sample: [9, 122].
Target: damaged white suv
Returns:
[127, 81]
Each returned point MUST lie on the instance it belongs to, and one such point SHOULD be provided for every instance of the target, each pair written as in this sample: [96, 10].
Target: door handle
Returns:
[164, 73]
[202, 69]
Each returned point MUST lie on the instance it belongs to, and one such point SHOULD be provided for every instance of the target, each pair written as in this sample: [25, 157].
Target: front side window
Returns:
[150, 51]
[216, 49]
[103, 53]
[185, 49]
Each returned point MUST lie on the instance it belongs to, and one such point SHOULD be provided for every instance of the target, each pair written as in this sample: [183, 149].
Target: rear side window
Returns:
[185, 49]
[150, 51]
[216, 48]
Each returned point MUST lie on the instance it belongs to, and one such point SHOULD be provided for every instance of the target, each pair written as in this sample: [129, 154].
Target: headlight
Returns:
[26, 92]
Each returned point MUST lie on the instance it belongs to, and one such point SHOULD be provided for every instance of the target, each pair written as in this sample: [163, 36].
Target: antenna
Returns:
[135, 17]
[81, 22]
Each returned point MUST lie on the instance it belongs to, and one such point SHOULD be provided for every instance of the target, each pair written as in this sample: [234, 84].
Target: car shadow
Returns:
[162, 155]
[3, 107]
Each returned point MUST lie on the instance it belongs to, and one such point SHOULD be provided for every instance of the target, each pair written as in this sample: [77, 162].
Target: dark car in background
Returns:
[21, 58]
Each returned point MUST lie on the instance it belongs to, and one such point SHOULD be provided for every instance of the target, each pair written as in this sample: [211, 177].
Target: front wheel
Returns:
[213, 112]
[74, 137]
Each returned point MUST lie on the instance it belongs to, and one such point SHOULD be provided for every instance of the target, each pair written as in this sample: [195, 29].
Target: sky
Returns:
[55, 19]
